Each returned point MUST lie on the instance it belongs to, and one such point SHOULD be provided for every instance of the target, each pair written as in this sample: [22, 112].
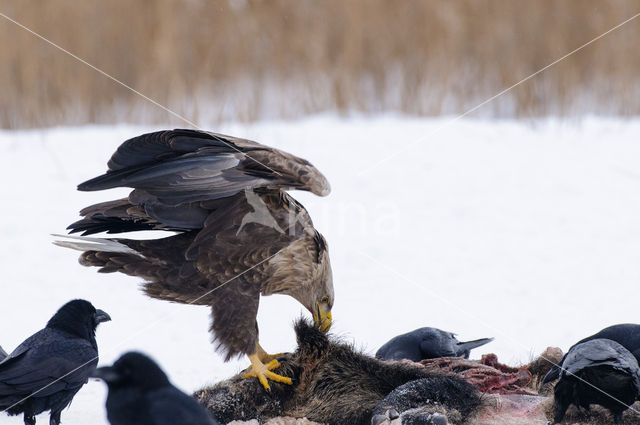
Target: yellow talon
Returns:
[263, 372]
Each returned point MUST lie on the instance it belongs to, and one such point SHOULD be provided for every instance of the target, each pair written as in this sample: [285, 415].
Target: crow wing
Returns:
[435, 342]
[626, 334]
[600, 352]
[169, 406]
[47, 362]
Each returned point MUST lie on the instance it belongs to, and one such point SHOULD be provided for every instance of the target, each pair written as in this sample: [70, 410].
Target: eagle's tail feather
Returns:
[84, 243]
[167, 275]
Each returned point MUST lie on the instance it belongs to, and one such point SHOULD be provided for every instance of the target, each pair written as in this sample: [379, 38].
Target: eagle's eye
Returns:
[325, 300]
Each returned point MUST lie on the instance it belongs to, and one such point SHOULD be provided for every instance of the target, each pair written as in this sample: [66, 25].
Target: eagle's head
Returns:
[321, 302]
[316, 294]
[302, 270]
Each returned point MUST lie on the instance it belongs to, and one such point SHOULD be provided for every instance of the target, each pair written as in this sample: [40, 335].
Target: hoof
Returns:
[386, 418]
[438, 419]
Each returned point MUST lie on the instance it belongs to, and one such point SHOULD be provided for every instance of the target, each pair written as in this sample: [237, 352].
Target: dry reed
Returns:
[254, 59]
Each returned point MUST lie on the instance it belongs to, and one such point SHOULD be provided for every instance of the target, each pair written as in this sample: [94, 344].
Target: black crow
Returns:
[47, 370]
[625, 334]
[140, 393]
[427, 343]
[599, 371]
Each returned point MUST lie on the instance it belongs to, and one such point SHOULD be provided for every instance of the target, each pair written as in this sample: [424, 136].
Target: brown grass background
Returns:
[254, 59]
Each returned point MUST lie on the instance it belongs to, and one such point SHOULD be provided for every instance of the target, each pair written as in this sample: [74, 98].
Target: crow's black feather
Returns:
[140, 394]
[598, 371]
[46, 371]
[625, 334]
[427, 343]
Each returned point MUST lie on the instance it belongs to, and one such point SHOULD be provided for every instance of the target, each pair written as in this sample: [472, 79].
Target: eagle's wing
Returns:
[182, 166]
[179, 176]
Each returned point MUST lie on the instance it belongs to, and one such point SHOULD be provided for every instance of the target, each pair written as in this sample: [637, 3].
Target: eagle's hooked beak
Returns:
[322, 315]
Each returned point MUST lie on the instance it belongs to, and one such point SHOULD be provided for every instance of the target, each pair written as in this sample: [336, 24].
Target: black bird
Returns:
[140, 394]
[47, 370]
[599, 371]
[625, 334]
[427, 343]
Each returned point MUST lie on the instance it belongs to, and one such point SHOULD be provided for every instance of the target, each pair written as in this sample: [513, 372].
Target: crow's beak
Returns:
[101, 316]
[107, 373]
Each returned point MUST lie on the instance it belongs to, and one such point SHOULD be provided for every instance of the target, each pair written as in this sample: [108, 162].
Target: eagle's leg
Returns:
[263, 371]
[266, 357]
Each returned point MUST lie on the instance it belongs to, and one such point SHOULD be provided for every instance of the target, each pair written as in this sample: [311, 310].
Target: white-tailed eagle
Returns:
[240, 235]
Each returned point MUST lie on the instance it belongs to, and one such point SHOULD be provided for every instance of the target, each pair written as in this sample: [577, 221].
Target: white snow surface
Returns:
[527, 232]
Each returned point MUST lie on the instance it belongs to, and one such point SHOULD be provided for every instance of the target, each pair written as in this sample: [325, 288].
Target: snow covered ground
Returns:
[528, 232]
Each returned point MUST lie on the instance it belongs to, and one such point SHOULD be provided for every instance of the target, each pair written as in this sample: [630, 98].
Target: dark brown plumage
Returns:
[240, 235]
